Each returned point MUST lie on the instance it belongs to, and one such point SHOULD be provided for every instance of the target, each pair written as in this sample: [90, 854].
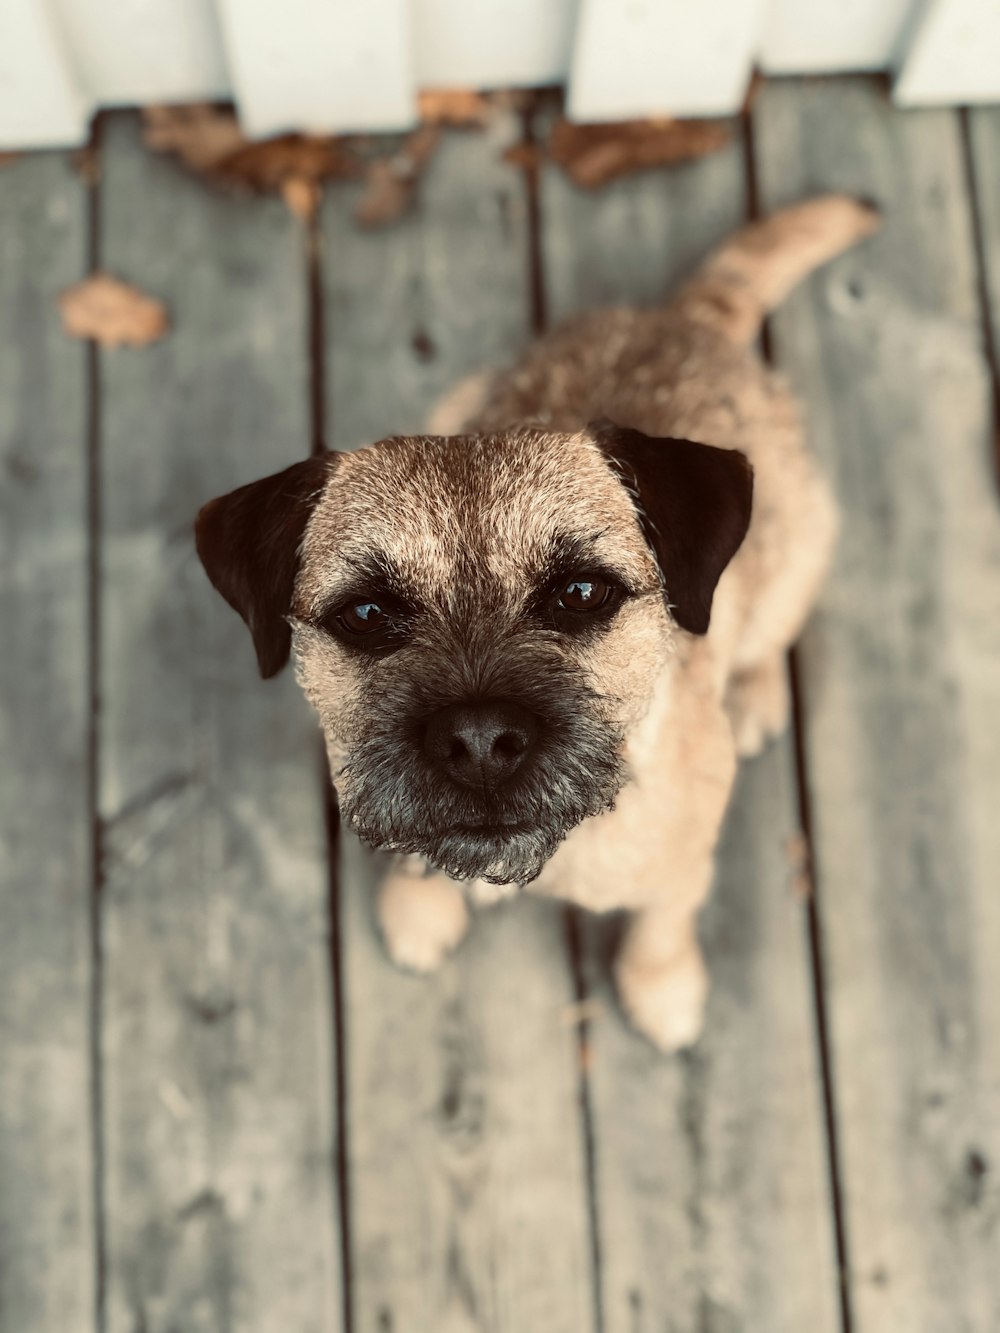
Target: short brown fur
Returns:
[465, 519]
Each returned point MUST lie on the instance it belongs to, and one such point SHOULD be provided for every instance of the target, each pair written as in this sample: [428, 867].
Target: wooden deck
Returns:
[221, 1109]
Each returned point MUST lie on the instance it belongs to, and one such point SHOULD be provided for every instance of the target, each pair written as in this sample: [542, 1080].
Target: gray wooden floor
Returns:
[220, 1107]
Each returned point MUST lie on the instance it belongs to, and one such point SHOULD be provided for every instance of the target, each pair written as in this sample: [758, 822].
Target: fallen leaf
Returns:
[585, 1055]
[7, 158]
[453, 106]
[513, 99]
[86, 163]
[267, 165]
[301, 196]
[201, 135]
[391, 182]
[800, 863]
[593, 155]
[112, 313]
[579, 1012]
[387, 194]
[208, 139]
[756, 83]
[526, 156]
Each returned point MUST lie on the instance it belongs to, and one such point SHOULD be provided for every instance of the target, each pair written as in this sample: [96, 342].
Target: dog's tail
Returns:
[754, 271]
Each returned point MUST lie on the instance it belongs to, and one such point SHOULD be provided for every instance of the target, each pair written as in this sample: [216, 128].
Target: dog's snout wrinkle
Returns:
[480, 744]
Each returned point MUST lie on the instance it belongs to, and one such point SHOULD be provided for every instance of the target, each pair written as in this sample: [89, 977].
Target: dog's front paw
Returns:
[665, 1001]
[422, 919]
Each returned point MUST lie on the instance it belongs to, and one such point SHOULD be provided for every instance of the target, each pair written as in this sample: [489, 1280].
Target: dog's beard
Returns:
[393, 799]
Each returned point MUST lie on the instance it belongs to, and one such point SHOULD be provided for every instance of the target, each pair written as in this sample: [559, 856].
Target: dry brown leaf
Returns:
[7, 158]
[579, 1012]
[301, 196]
[267, 165]
[453, 106]
[799, 860]
[527, 156]
[391, 182]
[201, 135]
[112, 313]
[387, 194]
[586, 1056]
[593, 155]
[208, 139]
[514, 99]
[87, 164]
[756, 83]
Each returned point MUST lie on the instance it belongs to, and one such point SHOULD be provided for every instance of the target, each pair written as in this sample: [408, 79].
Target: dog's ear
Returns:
[693, 503]
[249, 543]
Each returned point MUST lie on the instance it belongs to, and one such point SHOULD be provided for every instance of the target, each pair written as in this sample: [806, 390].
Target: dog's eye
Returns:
[375, 625]
[363, 617]
[587, 593]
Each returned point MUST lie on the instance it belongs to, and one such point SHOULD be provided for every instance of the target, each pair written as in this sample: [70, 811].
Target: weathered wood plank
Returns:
[47, 1253]
[712, 1194]
[217, 1042]
[467, 1178]
[902, 697]
[984, 130]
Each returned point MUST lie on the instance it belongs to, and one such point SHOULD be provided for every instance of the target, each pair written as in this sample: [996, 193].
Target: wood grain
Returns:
[984, 142]
[218, 1042]
[467, 1183]
[712, 1194]
[47, 1246]
[902, 694]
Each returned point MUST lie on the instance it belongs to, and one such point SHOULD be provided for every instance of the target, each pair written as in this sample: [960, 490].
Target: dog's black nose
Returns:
[480, 744]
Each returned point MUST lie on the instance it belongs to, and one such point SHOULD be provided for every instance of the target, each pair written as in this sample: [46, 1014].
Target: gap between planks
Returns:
[531, 140]
[320, 414]
[990, 348]
[813, 925]
[92, 446]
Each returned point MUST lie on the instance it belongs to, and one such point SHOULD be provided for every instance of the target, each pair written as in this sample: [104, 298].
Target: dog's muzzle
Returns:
[483, 785]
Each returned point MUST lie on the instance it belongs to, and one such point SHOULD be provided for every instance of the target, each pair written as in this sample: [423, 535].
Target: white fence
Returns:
[341, 65]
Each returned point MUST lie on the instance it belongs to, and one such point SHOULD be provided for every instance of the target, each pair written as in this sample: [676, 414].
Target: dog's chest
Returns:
[605, 862]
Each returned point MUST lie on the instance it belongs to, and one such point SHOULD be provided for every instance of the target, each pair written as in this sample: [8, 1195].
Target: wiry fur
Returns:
[643, 721]
[391, 800]
[448, 517]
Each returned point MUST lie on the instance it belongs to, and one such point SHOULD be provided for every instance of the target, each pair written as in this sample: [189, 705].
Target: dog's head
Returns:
[479, 620]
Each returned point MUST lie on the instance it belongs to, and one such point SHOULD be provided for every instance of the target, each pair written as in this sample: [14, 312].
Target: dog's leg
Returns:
[423, 915]
[757, 700]
[661, 975]
[660, 972]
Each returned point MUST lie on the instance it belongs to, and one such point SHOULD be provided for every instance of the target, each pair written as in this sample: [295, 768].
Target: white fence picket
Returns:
[669, 57]
[41, 101]
[145, 50]
[954, 56]
[320, 64]
[339, 66]
[825, 36]
[492, 43]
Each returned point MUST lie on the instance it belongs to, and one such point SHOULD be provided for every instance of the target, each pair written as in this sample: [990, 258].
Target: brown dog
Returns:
[537, 646]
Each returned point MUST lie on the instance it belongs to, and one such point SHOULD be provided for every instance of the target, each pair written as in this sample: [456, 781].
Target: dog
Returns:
[539, 637]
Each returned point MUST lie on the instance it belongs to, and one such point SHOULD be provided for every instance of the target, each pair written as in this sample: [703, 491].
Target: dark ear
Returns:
[249, 543]
[694, 506]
